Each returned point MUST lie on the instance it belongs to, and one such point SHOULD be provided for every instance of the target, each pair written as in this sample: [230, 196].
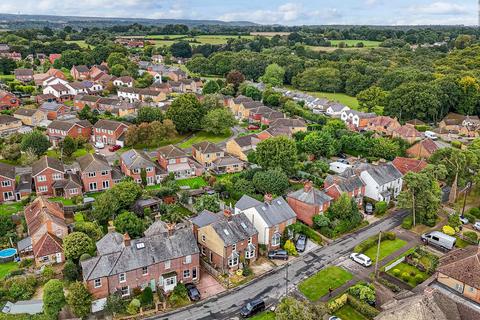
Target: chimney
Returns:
[307, 186]
[111, 227]
[268, 198]
[227, 213]
[126, 239]
[170, 228]
[157, 217]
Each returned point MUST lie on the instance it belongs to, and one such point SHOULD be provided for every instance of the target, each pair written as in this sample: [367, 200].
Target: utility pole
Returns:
[413, 208]
[378, 252]
[286, 279]
[467, 191]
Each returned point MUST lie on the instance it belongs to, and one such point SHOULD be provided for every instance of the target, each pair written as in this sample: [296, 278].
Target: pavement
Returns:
[272, 286]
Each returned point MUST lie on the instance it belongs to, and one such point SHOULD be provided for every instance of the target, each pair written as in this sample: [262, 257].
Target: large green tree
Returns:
[218, 121]
[321, 144]
[186, 112]
[53, 298]
[278, 152]
[319, 79]
[77, 243]
[274, 75]
[128, 222]
[207, 202]
[35, 141]
[371, 98]
[79, 299]
[272, 181]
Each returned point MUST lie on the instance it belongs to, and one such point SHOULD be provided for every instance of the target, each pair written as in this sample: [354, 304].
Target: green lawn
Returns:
[55, 153]
[342, 98]
[9, 209]
[81, 43]
[193, 183]
[7, 77]
[205, 136]
[267, 315]
[404, 267]
[168, 40]
[6, 268]
[387, 247]
[348, 313]
[352, 43]
[460, 243]
[317, 285]
[66, 202]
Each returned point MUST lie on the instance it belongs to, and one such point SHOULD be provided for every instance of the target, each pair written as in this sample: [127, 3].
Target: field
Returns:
[317, 285]
[81, 43]
[352, 43]
[168, 40]
[387, 247]
[9, 209]
[193, 183]
[204, 136]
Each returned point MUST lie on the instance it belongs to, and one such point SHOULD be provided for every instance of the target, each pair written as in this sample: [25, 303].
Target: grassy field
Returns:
[7, 77]
[387, 247]
[347, 312]
[168, 40]
[6, 268]
[193, 183]
[404, 267]
[267, 315]
[317, 285]
[9, 209]
[353, 43]
[342, 98]
[81, 43]
[205, 136]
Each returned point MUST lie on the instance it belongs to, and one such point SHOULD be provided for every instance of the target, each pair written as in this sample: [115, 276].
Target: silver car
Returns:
[362, 259]
[476, 225]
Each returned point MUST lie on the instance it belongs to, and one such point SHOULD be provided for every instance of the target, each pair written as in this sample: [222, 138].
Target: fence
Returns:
[393, 265]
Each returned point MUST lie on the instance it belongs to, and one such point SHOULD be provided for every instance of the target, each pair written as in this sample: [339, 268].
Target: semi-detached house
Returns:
[382, 182]
[7, 182]
[58, 130]
[109, 132]
[133, 162]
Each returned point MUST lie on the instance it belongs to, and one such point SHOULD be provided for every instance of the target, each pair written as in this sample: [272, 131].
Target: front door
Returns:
[58, 256]
[169, 283]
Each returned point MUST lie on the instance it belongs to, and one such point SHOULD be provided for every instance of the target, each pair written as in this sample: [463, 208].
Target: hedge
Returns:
[471, 236]
[407, 223]
[362, 307]
[335, 305]
[372, 241]
[390, 285]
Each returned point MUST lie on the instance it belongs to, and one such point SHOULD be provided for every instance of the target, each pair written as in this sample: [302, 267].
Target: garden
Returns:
[388, 245]
[357, 303]
[317, 285]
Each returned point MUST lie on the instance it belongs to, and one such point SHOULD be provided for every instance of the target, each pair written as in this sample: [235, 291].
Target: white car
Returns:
[362, 259]
[463, 220]
[476, 225]
[99, 145]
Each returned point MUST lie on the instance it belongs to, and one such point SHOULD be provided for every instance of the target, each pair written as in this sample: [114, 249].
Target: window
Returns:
[188, 259]
[41, 178]
[250, 240]
[167, 264]
[276, 239]
[97, 283]
[471, 289]
[234, 247]
[122, 277]
[91, 174]
[57, 176]
[106, 184]
[204, 238]
[42, 189]
[125, 291]
[92, 186]
[104, 172]
[194, 273]
[171, 161]
[249, 254]
[186, 273]
[202, 250]
[170, 281]
[144, 271]
[149, 169]
[74, 191]
[233, 261]
[6, 183]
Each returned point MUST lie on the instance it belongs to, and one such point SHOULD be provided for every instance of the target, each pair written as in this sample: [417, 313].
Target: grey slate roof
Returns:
[247, 140]
[234, 229]
[93, 162]
[136, 159]
[273, 213]
[171, 151]
[108, 124]
[24, 243]
[61, 125]
[46, 162]
[157, 228]
[111, 242]
[157, 249]
[7, 170]
[312, 196]
[204, 218]
[25, 112]
[206, 147]
[347, 181]
[383, 174]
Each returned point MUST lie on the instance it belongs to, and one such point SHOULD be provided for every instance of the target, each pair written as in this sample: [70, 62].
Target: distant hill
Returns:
[26, 19]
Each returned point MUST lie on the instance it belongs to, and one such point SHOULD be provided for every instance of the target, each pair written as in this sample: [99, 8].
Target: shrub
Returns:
[25, 263]
[412, 273]
[247, 271]
[146, 298]
[406, 276]
[47, 273]
[85, 256]
[474, 212]
[290, 248]
[364, 292]
[380, 208]
[448, 230]
[362, 307]
[337, 304]
[471, 236]
[418, 279]
[389, 285]
[396, 272]
[21, 288]
[456, 144]
[407, 223]
[133, 307]
[471, 218]
[70, 271]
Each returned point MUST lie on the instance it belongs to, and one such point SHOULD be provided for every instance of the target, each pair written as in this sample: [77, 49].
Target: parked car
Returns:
[301, 243]
[362, 259]
[192, 292]
[463, 220]
[99, 145]
[253, 127]
[278, 254]
[114, 148]
[252, 308]
[476, 225]
[334, 318]
[439, 239]
[368, 208]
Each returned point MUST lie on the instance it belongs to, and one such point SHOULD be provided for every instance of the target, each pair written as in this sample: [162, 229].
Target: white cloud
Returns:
[439, 8]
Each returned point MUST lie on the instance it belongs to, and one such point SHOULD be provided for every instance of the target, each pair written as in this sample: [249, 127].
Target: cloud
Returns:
[439, 8]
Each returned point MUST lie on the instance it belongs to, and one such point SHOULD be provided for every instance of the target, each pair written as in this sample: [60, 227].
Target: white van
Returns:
[431, 135]
[439, 239]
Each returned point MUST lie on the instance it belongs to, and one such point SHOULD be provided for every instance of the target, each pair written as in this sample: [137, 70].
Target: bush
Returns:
[405, 276]
[407, 223]
[418, 279]
[396, 272]
[133, 307]
[146, 298]
[247, 271]
[456, 144]
[363, 291]
[290, 248]
[85, 256]
[336, 304]
[380, 208]
[25, 263]
[389, 285]
[362, 307]
[474, 212]
[448, 230]
[471, 236]
[70, 271]
[471, 218]
[47, 274]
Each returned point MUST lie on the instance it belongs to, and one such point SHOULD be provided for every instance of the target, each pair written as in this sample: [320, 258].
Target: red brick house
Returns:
[346, 182]
[46, 228]
[7, 182]
[96, 173]
[174, 160]
[164, 257]
[80, 72]
[8, 100]
[54, 110]
[80, 101]
[23, 75]
[57, 130]
[109, 132]
[405, 165]
[308, 202]
[425, 148]
[133, 162]
[45, 171]
[225, 239]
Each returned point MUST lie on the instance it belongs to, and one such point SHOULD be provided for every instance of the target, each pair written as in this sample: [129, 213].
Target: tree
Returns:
[272, 181]
[186, 112]
[253, 92]
[274, 75]
[181, 49]
[7, 229]
[115, 304]
[277, 152]
[321, 144]
[318, 79]
[79, 299]
[77, 243]
[70, 271]
[207, 202]
[217, 121]
[371, 98]
[236, 78]
[210, 87]
[128, 222]
[68, 146]
[463, 41]
[35, 141]
[91, 229]
[11, 151]
[126, 193]
[290, 248]
[106, 207]
[344, 210]
[149, 114]
[53, 298]
[291, 308]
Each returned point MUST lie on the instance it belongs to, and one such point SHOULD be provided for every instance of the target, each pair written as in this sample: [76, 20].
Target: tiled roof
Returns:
[48, 244]
[311, 196]
[405, 165]
[61, 125]
[40, 211]
[93, 162]
[273, 213]
[46, 162]
[4, 119]
[136, 159]
[248, 140]
[408, 131]
[7, 171]
[171, 151]
[383, 173]
[108, 124]
[206, 147]
[462, 265]
[25, 112]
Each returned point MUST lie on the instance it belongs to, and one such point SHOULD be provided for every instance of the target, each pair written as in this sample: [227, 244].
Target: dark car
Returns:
[301, 243]
[192, 292]
[278, 254]
[253, 127]
[114, 148]
[252, 307]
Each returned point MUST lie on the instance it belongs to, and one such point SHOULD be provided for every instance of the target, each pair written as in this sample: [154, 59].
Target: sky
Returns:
[288, 12]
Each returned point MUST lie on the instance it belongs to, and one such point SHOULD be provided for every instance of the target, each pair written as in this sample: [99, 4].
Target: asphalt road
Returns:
[271, 287]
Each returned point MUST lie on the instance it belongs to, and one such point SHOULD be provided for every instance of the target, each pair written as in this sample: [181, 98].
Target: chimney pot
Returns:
[268, 198]
[307, 186]
[126, 239]
[111, 227]
[227, 213]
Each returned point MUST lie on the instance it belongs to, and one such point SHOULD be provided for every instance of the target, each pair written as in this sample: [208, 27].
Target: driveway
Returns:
[208, 285]
[271, 286]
